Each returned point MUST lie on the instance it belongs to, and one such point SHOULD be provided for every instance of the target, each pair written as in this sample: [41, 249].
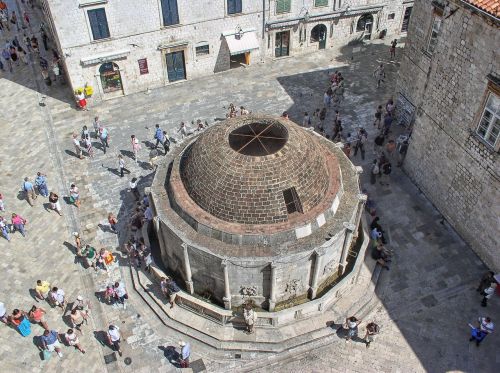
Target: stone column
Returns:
[272, 295]
[349, 229]
[317, 265]
[227, 290]
[187, 269]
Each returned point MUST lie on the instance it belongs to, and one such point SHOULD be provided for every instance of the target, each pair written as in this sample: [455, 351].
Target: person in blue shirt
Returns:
[104, 138]
[159, 136]
[29, 191]
[41, 184]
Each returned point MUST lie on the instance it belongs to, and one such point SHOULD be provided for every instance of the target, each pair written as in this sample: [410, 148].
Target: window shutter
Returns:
[238, 6]
[103, 23]
[170, 12]
[231, 7]
[93, 24]
[174, 12]
[280, 6]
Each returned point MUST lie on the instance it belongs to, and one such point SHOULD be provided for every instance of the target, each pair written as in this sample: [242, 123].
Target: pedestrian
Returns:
[250, 317]
[133, 188]
[121, 165]
[386, 169]
[6, 57]
[50, 342]
[45, 40]
[77, 146]
[361, 139]
[20, 322]
[34, 44]
[121, 293]
[285, 115]
[148, 261]
[3, 313]
[113, 221]
[371, 330]
[77, 319]
[36, 316]
[90, 256]
[166, 142]
[315, 117]
[338, 95]
[13, 20]
[488, 293]
[29, 190]
[54, 203]
[4, 227]
[327, 97]
[114, 338]
[306, 121]
[56, 295]
[378, 117]
[322, 117]
[83, 305]
[387, 124]
[2, 204]
[72, 340]
[42, 289]
[393, 49]
[173, 289]
[13, 55]
[88, 147]
[379, 74]
[18, 222]
[484, 328]
[374, 171]
[185, 354]
[164, 286]
[153, 156]
[351, 324]
[380, 256]
[78, 243]
[26, 18]
[74, 195]
[390, 107]
[97, 126]
[80, 99]
[136, 146]
[378, 144]
[158, 135]
[243, 111]
[347, 149]
[104, 137]
[23, 55]
[486, 280]
[41, 184]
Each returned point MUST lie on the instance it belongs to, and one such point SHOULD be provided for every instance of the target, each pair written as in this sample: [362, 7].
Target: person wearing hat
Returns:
[185, 353]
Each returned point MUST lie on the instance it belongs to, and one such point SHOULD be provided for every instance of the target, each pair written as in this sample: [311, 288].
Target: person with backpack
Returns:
[41, 184]
[351, 324]
[375, 170]
[386, 171]
[158, 136]
[371, 330]
[172, 290]
[29, 191]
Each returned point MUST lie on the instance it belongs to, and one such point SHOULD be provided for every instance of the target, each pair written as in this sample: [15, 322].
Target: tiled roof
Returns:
[489, 6]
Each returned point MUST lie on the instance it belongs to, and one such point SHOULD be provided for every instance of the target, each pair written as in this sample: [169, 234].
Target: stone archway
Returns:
[111, 79]
[318, 35]
[365, 25]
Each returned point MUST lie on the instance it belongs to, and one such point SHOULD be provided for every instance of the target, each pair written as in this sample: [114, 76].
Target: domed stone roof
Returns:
[258, 170]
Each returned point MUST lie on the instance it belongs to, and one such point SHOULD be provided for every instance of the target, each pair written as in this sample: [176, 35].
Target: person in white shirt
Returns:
[114, 338]
[121, 293]
[57, 297]
[250, 317]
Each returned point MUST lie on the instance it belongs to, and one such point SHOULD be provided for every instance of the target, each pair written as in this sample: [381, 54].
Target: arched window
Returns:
[110, 77]
[362, 21]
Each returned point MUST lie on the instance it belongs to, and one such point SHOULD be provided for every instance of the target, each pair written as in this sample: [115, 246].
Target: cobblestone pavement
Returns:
[426, 299]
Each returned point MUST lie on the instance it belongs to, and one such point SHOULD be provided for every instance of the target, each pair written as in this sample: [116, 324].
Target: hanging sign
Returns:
[143, 66]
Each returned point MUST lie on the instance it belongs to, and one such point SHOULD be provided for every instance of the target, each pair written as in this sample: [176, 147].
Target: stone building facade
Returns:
[126, 46]
[449, 85]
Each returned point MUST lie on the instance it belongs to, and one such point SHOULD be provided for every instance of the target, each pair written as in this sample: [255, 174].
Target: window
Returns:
[98, 23]
[283, 6]
[433, 37]
[319, 3]
[391, 15]
[292, 201]
[202, 50]
[234, 6]
[489, 125]
[169, 12]
[364, 21]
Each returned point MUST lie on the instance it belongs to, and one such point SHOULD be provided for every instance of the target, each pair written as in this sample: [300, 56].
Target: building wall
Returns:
[451, 165]
[138, 29]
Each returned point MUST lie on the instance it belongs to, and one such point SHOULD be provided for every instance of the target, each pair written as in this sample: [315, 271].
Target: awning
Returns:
[241, 43]
[107, 57]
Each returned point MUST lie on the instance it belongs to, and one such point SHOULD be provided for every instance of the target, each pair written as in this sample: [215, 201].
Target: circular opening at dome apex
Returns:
[258, 138]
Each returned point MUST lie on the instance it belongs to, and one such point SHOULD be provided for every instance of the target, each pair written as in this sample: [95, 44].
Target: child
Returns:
[2, 206]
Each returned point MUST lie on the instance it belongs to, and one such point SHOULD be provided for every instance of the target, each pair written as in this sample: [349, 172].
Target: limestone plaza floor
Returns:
[424, 302]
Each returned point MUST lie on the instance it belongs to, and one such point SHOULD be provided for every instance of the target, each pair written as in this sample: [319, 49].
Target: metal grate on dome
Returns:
[258, 138]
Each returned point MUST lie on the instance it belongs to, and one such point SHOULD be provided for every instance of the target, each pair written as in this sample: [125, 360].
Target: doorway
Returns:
[282, 44]
[365, 25]
[318, 35]
[406, 19]
[239, 60]
[111, 79]
[176, 66]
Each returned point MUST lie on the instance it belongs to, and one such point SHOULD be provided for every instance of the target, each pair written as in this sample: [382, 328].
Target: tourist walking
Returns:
[379, 74]
[121, 165]
[113, 221]
[351, 324]
[80, 100]
[158, 136]
[371, 330]
[3, 313]
[361, 139]
[6, 57]
[479, 333]
[488, 293]
[173, 289]
[393, 49]
[76, 144]
[4, 228]
[386, 169]
[2, 204]
[306, 121]
[114, 336]
[42, 289]
[72, 340]
[136, 146]
[77, 319]
[36, 315]
[166, 142]
[97, 127]
[121, 293]
[41, 184]
[378, 117]
[133, 188]
[486, 280]
[374, 171]
[74, 195]
[54, 203]
[29, 190]
[185, 354]
[50, 342]
[250, 317]
[57, 298]
[18, 222]
[104, 137]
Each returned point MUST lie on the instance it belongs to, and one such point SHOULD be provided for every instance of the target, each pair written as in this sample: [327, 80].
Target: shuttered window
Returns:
[170, 12]
[234, 6]
[283, 6]
[98, 23]
[320, 2]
